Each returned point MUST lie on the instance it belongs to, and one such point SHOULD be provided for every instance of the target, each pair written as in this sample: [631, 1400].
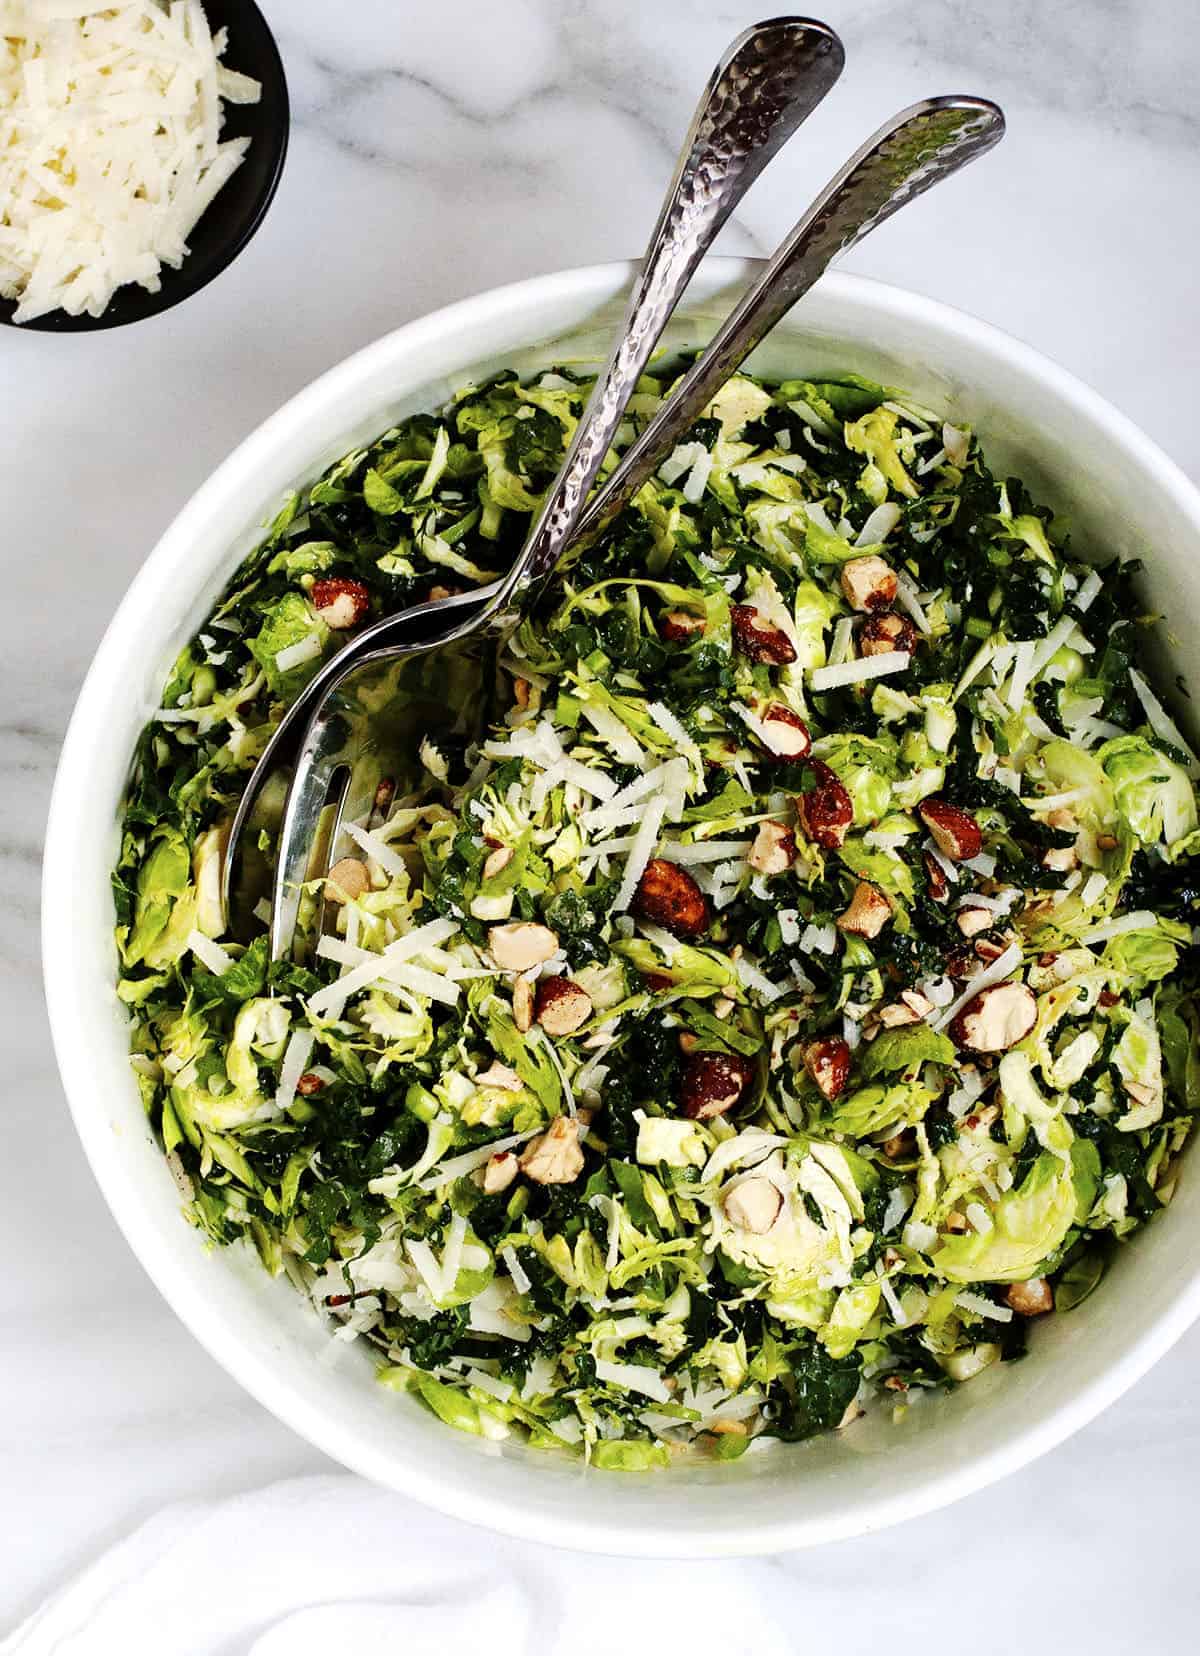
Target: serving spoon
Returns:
[920, 146]
[763, 88]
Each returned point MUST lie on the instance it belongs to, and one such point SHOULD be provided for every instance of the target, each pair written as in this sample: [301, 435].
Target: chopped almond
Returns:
[517, 947]
[868, 583]
[868, 914]
[347, 880]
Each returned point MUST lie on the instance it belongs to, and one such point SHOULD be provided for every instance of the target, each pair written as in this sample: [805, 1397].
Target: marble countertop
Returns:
[437, 151]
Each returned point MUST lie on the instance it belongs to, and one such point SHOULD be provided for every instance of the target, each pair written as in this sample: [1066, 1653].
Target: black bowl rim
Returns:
[178, 285]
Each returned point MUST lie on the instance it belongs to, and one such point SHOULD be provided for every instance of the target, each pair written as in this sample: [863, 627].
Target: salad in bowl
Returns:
[783, 1003]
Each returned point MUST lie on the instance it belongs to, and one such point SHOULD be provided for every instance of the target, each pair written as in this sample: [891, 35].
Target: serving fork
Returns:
[763, 88]
[407, 694]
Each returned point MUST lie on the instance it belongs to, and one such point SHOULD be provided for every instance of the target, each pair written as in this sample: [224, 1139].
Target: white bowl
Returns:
[1121, 493]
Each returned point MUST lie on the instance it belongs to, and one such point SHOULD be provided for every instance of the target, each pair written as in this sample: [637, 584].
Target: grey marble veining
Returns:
[437, 151]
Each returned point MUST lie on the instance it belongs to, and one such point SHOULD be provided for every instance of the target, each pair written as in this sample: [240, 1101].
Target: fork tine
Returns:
[321, 757]
[371, 724]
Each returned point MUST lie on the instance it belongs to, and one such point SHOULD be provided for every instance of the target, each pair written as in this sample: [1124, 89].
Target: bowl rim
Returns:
[270, 1384]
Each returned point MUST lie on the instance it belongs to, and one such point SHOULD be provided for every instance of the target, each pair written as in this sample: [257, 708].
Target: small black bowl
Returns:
[239, 208]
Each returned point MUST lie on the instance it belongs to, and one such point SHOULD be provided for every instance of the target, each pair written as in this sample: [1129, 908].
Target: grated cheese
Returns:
[111, 150]
[704, 851]
[879, 525]
[697, 478]
[858, 672]
[295, 1062]
[209, 954]
[636, 1377]
[981, 1307]
[457, 1167]
[295, 655]
[377, 849]
[906, 597]
[670, 726]
[1094, 888]
[520, 1279]
[893, 1304]
[1022, 673]
[750, 977]
[1139, 920]
[640, 853]
[1161, 722]
[610, 729]
[335, 995]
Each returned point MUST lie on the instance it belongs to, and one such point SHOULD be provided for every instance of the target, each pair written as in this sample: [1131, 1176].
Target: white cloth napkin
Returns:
[331, 1564]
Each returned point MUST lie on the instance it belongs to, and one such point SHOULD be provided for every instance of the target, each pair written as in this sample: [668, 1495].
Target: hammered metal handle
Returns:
[768, 82]
[906, 157]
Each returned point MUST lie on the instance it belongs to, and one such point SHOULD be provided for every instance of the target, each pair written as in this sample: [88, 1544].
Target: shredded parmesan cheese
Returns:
[295, 655]
[295, 1062]
[110, 150]
[1139, 920]
[857, 672]
[641, 853]
[209, 954]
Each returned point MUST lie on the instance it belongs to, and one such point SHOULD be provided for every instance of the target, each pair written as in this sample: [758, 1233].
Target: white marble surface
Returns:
[436, 151]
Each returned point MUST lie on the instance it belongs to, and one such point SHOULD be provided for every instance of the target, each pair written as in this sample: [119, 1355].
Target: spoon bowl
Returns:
[239, 208]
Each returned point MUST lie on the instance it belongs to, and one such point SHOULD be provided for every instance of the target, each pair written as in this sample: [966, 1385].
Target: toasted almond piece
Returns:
[1061, 859]
[555, 1156]
[785, 732]
[868, 583]
[562, 1005]
[347, 880]
[971, 921]
[1140, 1093]
[989, 948]
[759, 638]
[896, 1015]
[497, 861]
[911, 1008]
[881, 634]
[727, 1428]
[996, 1018]
[340, 602]
[669, 896]
[712, 1083]
[753, 1205]
[521, 689]
[955, 832]
[678, 625]
[309, 1084]
[499, 1075]
[868, 913]
[773, 849]
[1030, 1299]
[902, 1143]
[826, 811]
[501, 1170]
[523, 999]
[517, 947]
[939, 884]
[828, 1062]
